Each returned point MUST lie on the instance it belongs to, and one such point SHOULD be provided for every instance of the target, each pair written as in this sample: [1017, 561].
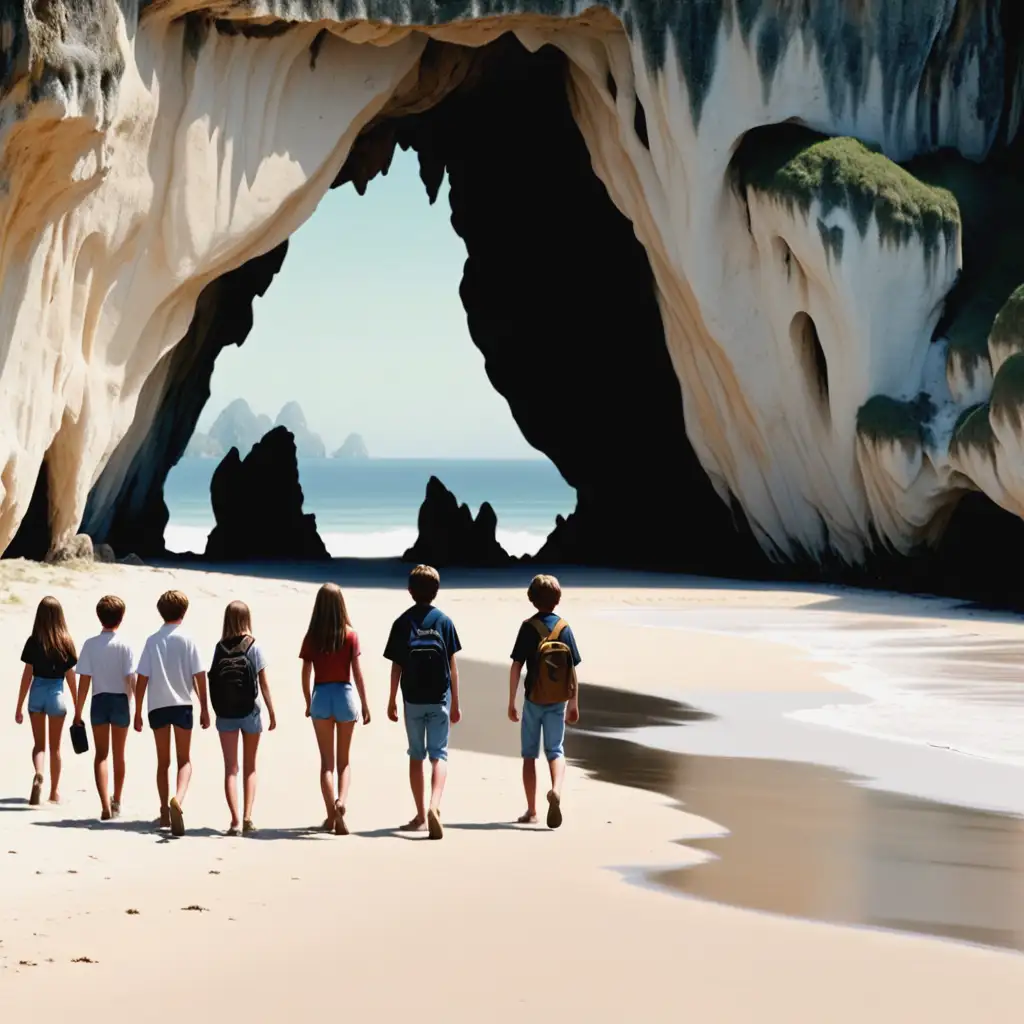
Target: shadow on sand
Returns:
[802, 840]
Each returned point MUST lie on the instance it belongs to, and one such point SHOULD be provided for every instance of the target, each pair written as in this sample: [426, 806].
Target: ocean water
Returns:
[921, 680]
[368, 509]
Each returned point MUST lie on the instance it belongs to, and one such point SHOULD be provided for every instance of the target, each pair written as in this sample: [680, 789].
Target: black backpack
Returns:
[234, 682]
[425, 677]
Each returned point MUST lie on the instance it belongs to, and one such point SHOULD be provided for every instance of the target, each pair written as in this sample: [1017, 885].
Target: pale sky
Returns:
[364, 327]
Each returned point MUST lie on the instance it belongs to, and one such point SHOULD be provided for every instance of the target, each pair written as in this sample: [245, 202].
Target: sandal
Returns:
[37, 791]
[232, 830]
[177, 817]
[115, 808]
[554, 810]
[434, 826]
[248, 828]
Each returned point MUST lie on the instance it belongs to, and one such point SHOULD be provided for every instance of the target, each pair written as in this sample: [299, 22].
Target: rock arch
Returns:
[156, 157]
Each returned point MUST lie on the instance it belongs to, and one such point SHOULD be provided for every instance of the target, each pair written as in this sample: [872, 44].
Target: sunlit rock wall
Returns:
[819, 307]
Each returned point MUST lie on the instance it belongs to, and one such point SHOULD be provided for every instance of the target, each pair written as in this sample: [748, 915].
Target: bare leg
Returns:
[438, 775]
[418, 795]
[250, 744]
[183, 750]
[324, 728]
[119, 737]
[557, 768]
[162, 737]
[56, 724]
[38, 742]
[345, 732]
[101, 737]
[530, 786]
[229, 748]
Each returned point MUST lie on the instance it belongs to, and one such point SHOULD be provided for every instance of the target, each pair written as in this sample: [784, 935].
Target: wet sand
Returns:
[801, 840]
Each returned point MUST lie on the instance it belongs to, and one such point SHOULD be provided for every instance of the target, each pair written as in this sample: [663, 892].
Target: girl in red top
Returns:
[330, 654]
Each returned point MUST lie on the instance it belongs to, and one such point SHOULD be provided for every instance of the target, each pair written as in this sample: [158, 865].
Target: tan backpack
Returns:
[555, 680]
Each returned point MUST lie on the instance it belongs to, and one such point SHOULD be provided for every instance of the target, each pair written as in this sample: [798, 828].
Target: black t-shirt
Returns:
[529, 639]
[45, 666]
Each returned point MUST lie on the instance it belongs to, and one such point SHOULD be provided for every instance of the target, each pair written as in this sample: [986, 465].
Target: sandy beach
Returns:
[828, 901]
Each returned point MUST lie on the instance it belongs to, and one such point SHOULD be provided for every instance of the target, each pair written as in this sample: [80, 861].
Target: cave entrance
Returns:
[559, 299]
[369, 291]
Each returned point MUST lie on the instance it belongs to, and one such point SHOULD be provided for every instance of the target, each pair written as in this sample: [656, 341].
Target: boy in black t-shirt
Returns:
[544, 716]
[421, 648]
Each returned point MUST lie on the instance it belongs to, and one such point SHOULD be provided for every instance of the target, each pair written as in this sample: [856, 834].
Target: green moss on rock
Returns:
[991, 203]
[885, 419]
[797, 166]
[1008, 390]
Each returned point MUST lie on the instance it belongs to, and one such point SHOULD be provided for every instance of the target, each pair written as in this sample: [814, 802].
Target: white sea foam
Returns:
[181, 538]
[931, 684]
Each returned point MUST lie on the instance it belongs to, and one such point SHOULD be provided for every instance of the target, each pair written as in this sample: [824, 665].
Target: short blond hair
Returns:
[424, 583]
[172, 605]
[544, 593]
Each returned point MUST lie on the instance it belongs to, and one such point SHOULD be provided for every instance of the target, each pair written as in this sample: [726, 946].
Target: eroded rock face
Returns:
[449, 535]
[257, 502]
[826, 316]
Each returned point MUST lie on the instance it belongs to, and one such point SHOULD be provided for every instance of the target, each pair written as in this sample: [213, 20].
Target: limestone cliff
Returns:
[758, 232]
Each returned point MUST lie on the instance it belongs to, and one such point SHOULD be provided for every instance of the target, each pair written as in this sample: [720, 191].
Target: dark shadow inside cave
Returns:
[555, 277]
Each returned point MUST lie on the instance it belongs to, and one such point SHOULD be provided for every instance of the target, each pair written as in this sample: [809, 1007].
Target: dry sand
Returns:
[496, 922]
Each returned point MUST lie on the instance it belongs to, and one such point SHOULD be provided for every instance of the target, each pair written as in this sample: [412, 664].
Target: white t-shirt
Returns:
[108, 659]
[170, 659]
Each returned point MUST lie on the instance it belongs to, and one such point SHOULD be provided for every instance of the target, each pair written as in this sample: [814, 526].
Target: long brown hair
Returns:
[237, 621]
[329, 624]
[50, 630]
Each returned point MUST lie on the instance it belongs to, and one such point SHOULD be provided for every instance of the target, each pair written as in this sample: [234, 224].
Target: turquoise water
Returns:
[368, 509]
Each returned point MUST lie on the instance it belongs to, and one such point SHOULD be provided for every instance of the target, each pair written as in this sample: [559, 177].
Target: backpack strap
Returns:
[548, 634]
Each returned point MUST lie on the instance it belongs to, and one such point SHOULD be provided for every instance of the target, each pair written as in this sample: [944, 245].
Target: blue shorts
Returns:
[178, 715]
[47, 698]
[251, 724]
[335, 701]
[546, 718]
[427, 727]
[110, 709]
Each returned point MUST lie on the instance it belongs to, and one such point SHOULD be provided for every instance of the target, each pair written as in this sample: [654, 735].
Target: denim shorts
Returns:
[110, 709]
[251, 724]
[427, 727]
[179, 715]
[335, 701]
[546, 718]
[47, 698]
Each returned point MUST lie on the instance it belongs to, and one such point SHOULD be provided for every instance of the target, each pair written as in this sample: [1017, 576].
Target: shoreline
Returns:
[766, 852]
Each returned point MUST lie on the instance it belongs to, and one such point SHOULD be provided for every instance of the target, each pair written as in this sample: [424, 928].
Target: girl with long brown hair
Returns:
[239, 667]
[330, 655]
[50, 657]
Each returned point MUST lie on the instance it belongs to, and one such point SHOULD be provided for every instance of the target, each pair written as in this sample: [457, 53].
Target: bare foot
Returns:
[54, 799]
[434, 826]
[529, 818]
[105, 815]
[554, 810]
[340, 828]
[233, 829]
[115, 808]
[37, 791]
[417, 824]
[165, 818]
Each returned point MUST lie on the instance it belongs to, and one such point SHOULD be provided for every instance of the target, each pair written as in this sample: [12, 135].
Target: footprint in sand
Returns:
[132, 911]
[195, 906]
[83, 960]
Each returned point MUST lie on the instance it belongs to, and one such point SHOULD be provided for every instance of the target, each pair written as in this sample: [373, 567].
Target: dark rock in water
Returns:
[257, 503]
[450, 536]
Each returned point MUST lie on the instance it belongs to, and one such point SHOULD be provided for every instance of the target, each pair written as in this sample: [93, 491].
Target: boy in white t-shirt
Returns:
[107, 663]
[170, 669]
